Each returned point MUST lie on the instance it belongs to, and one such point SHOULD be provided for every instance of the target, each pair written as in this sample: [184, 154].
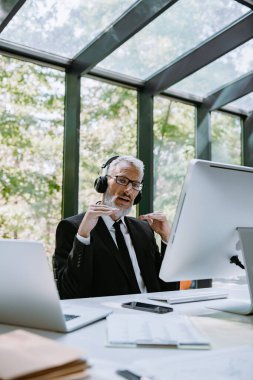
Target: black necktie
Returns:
[122, 247]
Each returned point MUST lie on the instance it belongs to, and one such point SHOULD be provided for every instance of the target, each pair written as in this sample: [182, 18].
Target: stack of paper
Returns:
[155, 330]
[24, 355]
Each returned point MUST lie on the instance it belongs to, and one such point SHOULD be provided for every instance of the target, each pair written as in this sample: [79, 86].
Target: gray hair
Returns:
[131, 160]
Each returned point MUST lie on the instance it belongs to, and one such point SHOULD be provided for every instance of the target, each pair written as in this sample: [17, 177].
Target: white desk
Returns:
[222, 329]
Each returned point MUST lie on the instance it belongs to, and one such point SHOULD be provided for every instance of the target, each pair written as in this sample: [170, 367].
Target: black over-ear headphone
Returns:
[101, 183]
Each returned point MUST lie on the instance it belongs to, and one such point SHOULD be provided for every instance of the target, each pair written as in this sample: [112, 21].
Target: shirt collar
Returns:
[109, 221]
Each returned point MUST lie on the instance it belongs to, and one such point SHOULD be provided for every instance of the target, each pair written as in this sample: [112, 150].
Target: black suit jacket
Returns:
[97, 270]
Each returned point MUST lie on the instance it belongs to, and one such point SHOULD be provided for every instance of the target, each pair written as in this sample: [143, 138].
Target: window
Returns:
[179, 29]
[62, 27]
[108, 128]
[31, 145]
[226, 138]
[173, 148]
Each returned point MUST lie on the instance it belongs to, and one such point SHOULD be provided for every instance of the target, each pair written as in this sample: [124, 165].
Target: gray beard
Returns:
[108, 201]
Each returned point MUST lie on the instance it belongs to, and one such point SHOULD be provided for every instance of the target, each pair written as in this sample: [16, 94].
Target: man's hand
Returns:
[159, 223]
[90, 218]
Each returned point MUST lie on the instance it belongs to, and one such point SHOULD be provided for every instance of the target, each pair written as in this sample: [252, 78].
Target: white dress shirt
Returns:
[109, 224]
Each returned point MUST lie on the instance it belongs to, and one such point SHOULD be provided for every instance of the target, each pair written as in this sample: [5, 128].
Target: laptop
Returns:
[28, 293]
[191, 295]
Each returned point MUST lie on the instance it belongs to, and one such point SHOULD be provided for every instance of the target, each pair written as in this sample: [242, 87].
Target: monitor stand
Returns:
[238, 306]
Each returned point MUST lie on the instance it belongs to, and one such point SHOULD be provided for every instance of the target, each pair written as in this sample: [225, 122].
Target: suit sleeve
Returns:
[72, 263]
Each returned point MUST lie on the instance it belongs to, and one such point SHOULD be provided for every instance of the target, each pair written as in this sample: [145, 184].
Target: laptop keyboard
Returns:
[68, 317]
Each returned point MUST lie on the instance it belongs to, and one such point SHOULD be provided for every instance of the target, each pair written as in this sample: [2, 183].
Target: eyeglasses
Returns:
[124, 181]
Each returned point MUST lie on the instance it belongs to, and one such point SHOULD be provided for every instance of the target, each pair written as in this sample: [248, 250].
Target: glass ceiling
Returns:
[65, 28]
[62, 27]
[245, 103]
[229, 67]
[182, 27]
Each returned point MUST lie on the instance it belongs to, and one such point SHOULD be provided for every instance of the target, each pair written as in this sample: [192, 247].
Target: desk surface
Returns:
[222, 329]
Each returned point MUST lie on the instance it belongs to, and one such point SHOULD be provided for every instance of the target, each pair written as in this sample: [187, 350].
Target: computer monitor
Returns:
[215, 200]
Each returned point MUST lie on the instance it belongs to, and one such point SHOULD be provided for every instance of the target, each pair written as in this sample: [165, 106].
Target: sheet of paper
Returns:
[153, 329]
[223, 364]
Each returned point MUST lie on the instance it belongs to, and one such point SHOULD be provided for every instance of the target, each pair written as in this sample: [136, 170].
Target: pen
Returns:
[129, 375]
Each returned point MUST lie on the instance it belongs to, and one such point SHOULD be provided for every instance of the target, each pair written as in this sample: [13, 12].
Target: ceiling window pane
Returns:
[182, 27]
[218, 73]
[245, 103]
[62, 27]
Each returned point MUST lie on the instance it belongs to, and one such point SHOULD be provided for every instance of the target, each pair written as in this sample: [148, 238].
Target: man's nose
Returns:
[129, 187]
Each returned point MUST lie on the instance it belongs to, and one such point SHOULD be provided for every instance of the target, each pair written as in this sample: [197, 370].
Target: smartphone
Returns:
[147, 307]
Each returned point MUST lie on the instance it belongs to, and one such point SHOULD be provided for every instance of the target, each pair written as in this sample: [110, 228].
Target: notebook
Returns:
[191, 295]
[28, 294]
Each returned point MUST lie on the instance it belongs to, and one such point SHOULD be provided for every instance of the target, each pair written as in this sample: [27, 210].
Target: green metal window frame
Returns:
[138, 16]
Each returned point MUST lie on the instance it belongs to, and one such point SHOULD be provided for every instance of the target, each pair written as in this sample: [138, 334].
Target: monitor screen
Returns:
[215, 200]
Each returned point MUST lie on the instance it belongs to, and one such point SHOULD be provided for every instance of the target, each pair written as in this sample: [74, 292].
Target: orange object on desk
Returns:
[184, 285]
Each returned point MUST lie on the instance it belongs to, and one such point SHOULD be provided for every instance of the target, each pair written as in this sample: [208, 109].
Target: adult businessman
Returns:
[94, 256]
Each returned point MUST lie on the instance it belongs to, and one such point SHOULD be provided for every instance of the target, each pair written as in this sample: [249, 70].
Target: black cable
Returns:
[235, 260]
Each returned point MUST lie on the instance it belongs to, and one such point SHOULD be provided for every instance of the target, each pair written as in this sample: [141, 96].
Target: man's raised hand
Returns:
[91, 216]
[159, 223]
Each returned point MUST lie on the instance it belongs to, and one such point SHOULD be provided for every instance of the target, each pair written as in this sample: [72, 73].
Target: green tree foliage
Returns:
[173, 148]
[108, 128]
[226, 138]
[31, 144]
